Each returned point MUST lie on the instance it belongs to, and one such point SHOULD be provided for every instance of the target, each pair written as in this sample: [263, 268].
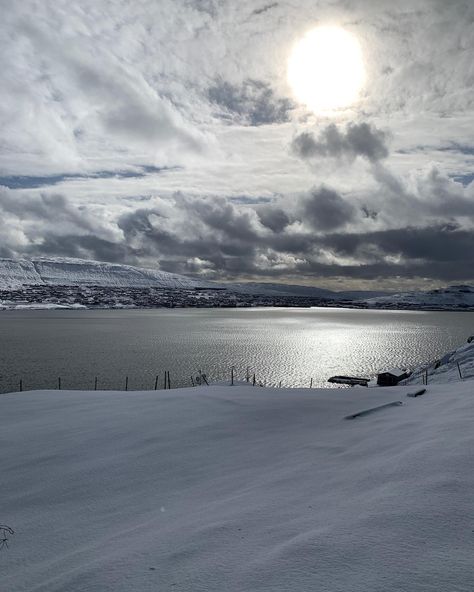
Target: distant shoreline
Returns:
[42, 307]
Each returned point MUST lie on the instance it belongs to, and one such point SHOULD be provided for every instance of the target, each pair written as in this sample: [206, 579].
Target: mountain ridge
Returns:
[17, 273]
[455, 296]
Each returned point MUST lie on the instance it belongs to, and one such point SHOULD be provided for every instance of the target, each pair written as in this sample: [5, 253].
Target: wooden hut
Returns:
[392, 377]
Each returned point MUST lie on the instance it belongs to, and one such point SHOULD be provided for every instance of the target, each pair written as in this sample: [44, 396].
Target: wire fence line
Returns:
[426, 373]
[164, 380]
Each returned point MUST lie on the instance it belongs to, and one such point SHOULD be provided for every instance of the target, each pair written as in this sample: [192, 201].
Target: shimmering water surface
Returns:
[288, 345]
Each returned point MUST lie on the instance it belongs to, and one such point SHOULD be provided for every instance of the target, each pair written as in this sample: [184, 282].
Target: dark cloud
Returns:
[49, 224]
[252, 103]
[209, 229]
[86, 246]
[273, 218]
[358, 139]
[51, 208]
[421, 246]
[442, 252]
[222, 217]
[326, 210]
[313, 235]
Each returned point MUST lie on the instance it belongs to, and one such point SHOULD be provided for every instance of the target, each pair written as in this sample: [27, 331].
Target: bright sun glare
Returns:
[326, 69]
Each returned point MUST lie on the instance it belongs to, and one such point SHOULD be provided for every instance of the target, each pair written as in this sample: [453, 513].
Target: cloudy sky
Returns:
[164, 133]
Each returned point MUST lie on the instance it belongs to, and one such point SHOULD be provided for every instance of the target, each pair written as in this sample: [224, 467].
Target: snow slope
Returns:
[66, 271]
[450, 297]
[450, 368]
[296, 290]
[238, 489]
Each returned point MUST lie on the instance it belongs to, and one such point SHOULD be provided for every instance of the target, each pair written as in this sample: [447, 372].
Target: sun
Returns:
[326, 69]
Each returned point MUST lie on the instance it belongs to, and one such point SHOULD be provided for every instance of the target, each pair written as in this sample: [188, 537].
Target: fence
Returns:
[158, 381]
[424, 373]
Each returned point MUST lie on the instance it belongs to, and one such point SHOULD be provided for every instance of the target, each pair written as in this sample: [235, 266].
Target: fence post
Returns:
[126, 383]
[311, 383]
[21, 385]
[95, 383]
[59, 382]
[169, 381]
[156, 382]
[232, 376]
[459, 370]
[426, 376]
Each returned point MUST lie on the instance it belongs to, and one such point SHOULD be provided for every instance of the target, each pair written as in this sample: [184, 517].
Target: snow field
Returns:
[238, 489]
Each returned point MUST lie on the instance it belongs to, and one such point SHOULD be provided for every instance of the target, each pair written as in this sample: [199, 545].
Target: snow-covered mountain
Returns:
[15, 273]
[305, 291]
[461, 296]
[64, 271]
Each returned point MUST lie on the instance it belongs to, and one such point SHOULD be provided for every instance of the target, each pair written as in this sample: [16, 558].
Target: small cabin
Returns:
[392, 377]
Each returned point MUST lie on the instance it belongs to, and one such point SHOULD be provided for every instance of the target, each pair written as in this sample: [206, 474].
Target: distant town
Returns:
[133, 297]
[90, 296]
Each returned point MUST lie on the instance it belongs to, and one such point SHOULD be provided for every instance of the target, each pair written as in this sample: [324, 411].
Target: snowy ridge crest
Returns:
[16, 273]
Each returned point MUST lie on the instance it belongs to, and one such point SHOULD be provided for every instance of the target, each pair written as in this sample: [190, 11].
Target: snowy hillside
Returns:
[449, 298]
[58, 271]
[452, 367]
[305, 291]
[237, 489]
[65, 271]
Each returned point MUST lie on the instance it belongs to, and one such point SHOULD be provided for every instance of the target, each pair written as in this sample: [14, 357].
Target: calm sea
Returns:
[287, 345]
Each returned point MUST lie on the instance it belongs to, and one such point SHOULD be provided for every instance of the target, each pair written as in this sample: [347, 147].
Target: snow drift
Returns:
[238, 489]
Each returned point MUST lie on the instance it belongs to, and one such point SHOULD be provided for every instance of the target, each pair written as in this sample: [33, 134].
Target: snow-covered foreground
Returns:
[238, 489]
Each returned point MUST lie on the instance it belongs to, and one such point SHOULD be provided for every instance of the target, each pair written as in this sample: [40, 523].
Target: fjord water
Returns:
[288, 345]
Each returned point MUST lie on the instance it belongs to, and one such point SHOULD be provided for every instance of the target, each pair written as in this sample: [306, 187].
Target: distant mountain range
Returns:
[452, 297]
[59, 271]
[306, 291]
[62, 271]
